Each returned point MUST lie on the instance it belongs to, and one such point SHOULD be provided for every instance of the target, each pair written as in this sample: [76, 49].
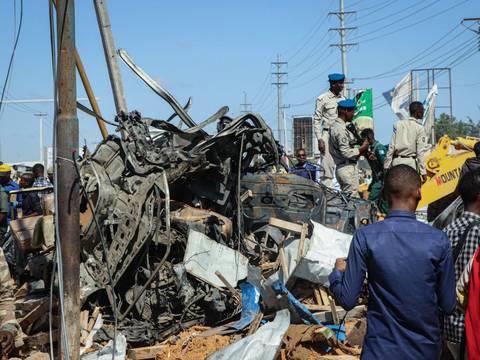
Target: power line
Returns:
[414, 58]
[12, 56]
[388, 16]
[410, 25]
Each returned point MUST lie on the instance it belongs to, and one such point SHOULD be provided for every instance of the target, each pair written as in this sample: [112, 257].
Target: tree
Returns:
[446, 125]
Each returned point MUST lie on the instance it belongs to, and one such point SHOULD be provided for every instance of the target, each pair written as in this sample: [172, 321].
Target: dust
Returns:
[189, 346]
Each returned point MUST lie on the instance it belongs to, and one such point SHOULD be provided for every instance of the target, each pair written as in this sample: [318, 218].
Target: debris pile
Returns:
[193, 243]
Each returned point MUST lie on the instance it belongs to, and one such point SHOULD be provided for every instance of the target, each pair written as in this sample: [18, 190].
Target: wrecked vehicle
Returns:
[151, 200]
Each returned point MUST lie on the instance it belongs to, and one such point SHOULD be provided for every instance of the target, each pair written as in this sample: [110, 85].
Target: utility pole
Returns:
[279, 83]
[246, 107]
[110, 55]
[68, 214]
[41, 117]
[343, 45]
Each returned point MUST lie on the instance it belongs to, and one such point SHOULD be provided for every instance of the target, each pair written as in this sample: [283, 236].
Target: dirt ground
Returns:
[188, 346]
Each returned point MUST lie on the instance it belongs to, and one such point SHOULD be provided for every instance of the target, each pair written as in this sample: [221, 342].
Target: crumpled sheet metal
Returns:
[262, 345]
[203, 257]
[325, 246]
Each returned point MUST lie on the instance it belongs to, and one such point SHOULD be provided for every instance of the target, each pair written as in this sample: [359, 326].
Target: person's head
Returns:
[337, 83]
[369, 135]
[5, 174]
[469, 189]
[476, 149]
[401, 188]
[416, 109]
[27, 180]
[346, 109]
[38, 170]
[301, 156]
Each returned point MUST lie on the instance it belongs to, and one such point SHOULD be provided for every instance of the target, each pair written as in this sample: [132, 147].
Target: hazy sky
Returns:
[216, 50]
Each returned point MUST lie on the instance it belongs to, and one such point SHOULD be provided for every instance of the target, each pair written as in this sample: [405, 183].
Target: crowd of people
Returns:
[424, 283]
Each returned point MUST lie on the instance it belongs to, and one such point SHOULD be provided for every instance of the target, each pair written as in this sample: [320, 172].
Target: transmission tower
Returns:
[280, 75]
[245, 107]
[343, 45]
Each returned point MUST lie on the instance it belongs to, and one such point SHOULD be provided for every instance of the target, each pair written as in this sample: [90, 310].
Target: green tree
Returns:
[446, 125]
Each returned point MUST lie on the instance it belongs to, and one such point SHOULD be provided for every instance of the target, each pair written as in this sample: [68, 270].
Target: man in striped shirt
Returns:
[464, 234]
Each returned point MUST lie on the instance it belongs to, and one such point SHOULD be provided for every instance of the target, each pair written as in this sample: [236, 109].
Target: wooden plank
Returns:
[318, 297]
[95, 314]
[324, 295]
[286, 225]
[255, 323]
[34, 315]
[334, 310]
[147, 352]
[22, 291]
[247, 194]
[269, 266]
[83, 326]
[301, 243]
[313, 307]
[40, 339]
[229, 286]
[283, 262]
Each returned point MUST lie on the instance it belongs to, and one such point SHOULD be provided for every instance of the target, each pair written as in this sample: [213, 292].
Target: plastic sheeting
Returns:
[262, 345]
[106, 352]
[325, 246]
[203, 257]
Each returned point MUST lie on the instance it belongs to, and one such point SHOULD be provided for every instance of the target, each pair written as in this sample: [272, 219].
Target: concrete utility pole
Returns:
[41, 117]
[110, 55]
[343, 45]
[246, 107]
[279, 83]
[68, 214]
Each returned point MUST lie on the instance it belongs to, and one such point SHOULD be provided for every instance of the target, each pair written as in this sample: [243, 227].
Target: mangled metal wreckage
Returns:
[146, 191]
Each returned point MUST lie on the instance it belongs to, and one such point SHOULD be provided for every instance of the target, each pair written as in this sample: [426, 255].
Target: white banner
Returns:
[401, 97]
[429, 115]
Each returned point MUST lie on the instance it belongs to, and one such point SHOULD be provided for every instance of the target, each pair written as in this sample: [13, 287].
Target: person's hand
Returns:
[321, 146]
[364, 146]
[340, 264]
[423, 178]
[371, 156]
[7, 341]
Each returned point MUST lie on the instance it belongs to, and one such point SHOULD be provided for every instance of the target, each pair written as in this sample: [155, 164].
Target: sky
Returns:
[216, 51]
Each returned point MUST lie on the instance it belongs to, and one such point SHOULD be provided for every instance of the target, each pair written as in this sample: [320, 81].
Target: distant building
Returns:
[303, 134]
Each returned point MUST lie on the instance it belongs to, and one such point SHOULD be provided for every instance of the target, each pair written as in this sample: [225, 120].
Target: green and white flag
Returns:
[363, 117]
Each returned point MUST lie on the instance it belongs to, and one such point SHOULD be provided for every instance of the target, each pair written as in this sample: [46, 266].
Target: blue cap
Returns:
[336, 77]
[347, 104]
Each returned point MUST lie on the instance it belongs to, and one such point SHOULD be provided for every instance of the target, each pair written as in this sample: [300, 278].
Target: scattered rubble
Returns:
[198, 245]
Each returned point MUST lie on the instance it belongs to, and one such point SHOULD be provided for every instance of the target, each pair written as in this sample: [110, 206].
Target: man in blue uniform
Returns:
[9, 185]
[411, 279]
[305, 169]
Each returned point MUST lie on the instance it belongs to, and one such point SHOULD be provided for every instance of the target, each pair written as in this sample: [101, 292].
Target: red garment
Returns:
[472, 316]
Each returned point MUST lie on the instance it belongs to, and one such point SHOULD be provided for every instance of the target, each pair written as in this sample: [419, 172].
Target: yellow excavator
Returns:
[444, 164]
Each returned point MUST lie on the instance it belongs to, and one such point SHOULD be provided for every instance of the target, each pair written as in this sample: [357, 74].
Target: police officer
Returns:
[409, 142]
[376, 158]
[304, 168]
[325, 115]
[343, 150]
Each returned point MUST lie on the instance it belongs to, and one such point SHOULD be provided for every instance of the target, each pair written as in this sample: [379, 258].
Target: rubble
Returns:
[183, 231]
